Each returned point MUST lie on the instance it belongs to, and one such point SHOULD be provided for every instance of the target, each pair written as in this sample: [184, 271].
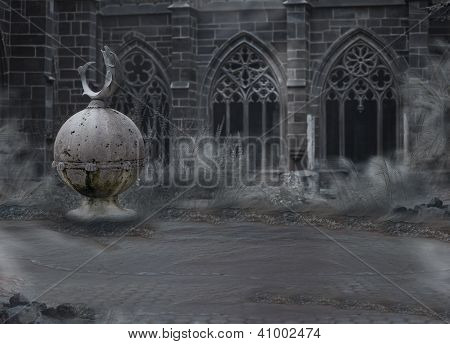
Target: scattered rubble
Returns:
[435, 208]
[395, 226]
[436, 203]
[18, 300]
[19, 310]
[405, 211]
[427, 220]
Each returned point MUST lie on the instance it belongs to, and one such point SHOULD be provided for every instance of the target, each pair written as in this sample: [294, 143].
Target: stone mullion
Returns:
[264, 137]
[264, 119]
[380, 125]
[246, 117]
[342, 127]
[227, 117]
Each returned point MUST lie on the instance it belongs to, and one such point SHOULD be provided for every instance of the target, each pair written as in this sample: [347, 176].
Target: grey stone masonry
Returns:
[418, 36]
[184, 71]
[4, 30]
[187, 41]
[31, 74]
[77, 33]
[298, 48]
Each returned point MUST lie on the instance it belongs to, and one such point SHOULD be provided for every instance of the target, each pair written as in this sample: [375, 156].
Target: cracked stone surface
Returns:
[231, 273]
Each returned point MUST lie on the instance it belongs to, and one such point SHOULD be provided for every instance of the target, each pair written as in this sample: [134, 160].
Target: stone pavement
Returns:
[233, 273]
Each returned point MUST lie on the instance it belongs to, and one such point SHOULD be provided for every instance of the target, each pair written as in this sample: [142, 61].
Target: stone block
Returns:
[320, 25]
[26, 39]
[318, 47]
[382, 30]
[17, 79]
[279, 36]
[331, 35]
[276, 15]
[26, 64]
[251, 16]
[280, 26]
[390, 22]
[396, 11]
[75, 28]
[247, 27]
[268, 26]
[344, 13]
[226, 17]
[377, 12]
[21, 51]
[322, 13]
[35, 8]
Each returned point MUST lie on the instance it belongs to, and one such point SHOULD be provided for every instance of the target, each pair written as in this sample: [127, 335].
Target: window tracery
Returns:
[360, 74]
[145, 98]
[360, 104]
[245, 102]
[244, 80]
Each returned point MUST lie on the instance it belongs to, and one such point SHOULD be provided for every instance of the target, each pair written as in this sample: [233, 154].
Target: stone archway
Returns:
[358, 102]
[243, 96]
[360, 105]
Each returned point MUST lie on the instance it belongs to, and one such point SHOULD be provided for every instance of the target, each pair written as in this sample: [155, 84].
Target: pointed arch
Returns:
[146, 95]
[266, 50]
[243, 95]
[396, 64]
[356, 85]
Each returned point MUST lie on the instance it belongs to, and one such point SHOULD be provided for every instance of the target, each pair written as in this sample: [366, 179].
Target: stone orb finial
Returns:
[99, 151]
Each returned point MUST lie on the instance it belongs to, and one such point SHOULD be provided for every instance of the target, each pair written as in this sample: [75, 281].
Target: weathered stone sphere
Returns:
[98, 152]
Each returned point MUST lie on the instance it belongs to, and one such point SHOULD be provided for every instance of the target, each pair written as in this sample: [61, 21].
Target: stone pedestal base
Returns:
[101, 209]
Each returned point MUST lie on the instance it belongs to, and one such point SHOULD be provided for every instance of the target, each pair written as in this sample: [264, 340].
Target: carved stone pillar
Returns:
[298, 34]
[184, 71]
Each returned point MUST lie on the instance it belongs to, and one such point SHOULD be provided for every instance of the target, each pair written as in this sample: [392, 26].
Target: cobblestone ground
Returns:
[234, 273]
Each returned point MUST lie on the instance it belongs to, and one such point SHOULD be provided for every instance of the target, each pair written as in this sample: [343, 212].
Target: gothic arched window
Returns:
[245, 98]
[360, 105]
[145, 98]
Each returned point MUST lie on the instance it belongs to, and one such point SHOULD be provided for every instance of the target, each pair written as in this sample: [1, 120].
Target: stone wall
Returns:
[298, 34]
[77, 33]
[4, 53]
[187, 39]
[329, 24]
[30, 49]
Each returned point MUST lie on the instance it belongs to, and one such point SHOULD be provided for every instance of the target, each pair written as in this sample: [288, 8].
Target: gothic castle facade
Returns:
[323, 75]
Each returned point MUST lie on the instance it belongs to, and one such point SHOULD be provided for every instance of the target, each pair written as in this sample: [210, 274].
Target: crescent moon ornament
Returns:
[113, 76]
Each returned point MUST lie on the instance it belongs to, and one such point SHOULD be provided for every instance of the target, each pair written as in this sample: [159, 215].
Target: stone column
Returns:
[184, 71]
[418, 36]
[298, 34]
[311, 137]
